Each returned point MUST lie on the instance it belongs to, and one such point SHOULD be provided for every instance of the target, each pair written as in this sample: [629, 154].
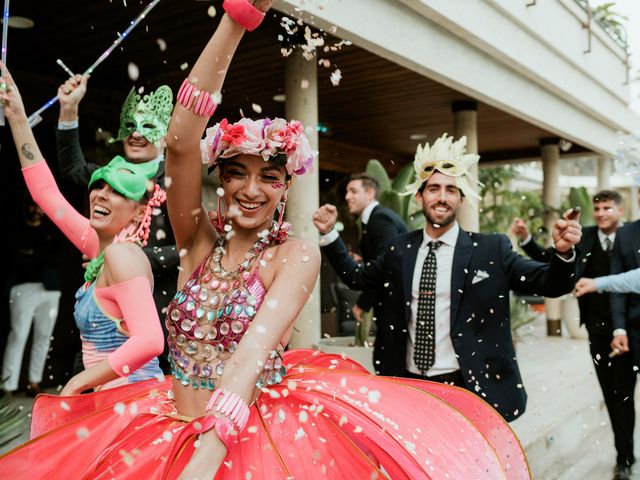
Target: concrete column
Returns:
[634, 202]
[550, 154]
[304, 197]
[604, 173]
[465, 116]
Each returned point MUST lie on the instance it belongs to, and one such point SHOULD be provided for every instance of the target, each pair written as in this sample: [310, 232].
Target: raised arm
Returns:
[38, 177]
[184, 164]
[73, 165]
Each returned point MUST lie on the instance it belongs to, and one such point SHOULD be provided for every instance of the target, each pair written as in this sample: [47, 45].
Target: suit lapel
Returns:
[459, 270]
[409, 257]
[589, 237]
[364, 239]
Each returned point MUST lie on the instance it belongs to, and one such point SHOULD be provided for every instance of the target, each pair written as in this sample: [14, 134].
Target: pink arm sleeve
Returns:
[44, 191]
[135, 300]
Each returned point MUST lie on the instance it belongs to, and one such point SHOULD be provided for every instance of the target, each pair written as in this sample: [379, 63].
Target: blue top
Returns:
[103, 334]
[627, 282]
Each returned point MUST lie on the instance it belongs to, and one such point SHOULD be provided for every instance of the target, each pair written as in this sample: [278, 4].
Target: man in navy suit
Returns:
[625, 308]
[615, 375]
[446, 291]
[380, 225]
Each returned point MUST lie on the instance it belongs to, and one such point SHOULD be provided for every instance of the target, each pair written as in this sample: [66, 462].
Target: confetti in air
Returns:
[35, 117]
[335, 78]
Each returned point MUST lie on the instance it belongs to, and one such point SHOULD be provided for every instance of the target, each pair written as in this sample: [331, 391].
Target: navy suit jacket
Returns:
[383, 226]
[583, 251]
[625, 308]
[480, 313]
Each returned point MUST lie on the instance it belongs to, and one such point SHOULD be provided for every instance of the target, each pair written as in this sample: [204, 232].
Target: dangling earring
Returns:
[220, 221]
[282, 206]
[282, 228]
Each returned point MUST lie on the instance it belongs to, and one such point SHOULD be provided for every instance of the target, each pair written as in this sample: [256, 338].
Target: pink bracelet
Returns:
[243, 13]
[199, 101]
[226, 431]
[231, 406]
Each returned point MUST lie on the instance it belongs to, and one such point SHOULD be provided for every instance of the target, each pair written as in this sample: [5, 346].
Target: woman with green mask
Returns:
[114, 311]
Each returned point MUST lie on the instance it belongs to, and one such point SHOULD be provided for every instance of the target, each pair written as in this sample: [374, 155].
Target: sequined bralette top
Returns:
[208, 317]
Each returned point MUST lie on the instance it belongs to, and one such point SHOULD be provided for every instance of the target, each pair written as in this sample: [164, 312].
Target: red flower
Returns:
[233, 134]
[291, 134]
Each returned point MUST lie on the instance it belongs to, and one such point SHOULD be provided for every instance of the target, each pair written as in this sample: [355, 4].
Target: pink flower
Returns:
[264, 137]
[233, 133]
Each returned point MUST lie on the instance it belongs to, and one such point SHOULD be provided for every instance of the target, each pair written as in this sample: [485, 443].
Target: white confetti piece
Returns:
[133, 71]
[374, 396]
[82, 433]
[162, 45]
[119, 408]
[335, 77]
[65, 406]
[211, 11]
[256, 108]
[184, 66]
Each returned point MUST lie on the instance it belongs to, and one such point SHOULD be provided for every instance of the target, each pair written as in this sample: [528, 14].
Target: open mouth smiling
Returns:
[250, 206]
[101, 211]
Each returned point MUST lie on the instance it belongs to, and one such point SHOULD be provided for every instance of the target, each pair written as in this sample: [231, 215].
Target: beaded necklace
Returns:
[210, 314]
[93, 268]
[256, 249]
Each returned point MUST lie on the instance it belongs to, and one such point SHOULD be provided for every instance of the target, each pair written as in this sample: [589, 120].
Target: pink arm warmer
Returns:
[46, 194]
[135, 301]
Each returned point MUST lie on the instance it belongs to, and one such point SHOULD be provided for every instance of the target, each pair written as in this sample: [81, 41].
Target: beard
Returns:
[448, 220]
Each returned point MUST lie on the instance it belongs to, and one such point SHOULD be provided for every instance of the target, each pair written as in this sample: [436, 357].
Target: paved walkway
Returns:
[565, 430]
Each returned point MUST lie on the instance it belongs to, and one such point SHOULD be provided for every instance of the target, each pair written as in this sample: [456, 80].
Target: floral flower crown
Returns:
[450, 158]
[278, 140]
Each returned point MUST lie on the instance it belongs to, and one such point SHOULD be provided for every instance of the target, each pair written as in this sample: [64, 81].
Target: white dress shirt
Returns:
[366, 213]
[603, 236]
[446, 360]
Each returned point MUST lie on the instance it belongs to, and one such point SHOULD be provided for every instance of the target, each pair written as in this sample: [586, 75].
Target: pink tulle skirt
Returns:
[329, 418]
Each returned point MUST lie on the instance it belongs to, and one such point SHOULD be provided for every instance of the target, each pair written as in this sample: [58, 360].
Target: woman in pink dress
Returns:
[236, 405]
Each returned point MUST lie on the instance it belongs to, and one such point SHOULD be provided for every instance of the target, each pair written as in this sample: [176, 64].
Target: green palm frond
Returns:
[12, 420]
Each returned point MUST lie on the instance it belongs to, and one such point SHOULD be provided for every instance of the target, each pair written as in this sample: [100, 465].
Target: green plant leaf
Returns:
[392, 200]
[377, 171]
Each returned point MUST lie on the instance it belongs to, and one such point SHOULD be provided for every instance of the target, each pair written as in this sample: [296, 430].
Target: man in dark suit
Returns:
[446, 291]
[380, 225]
[615, 375]
[143, 126]
[625, 309]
